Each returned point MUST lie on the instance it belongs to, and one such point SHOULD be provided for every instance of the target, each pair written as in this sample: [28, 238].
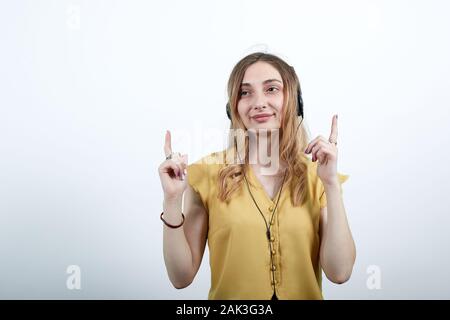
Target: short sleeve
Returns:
[323, 198]
[198, 179]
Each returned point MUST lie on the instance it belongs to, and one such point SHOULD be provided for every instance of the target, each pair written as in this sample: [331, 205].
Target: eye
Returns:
[273, 88]
[242, 92]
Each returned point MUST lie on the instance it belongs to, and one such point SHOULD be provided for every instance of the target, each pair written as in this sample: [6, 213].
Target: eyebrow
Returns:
[264, 82]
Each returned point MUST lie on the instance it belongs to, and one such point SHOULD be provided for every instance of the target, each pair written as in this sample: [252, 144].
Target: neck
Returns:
[264, 151]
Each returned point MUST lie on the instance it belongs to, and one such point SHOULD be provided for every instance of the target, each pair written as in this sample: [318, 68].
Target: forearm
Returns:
[177, 253]
[337, 250]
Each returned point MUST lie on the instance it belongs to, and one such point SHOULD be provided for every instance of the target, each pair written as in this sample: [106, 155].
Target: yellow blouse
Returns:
[239, 250]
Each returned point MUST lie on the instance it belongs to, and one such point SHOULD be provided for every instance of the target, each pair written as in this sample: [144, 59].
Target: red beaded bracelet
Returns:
[171, 225]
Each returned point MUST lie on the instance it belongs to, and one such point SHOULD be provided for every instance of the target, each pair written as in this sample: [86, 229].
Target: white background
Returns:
[88, 88]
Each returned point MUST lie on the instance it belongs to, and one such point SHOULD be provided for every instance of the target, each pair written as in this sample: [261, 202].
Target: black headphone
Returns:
[299, 106]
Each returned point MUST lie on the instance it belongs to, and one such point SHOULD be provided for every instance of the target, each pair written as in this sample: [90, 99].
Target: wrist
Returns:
[171, 225]
[173, 199]
[172, 205]
[332, 184]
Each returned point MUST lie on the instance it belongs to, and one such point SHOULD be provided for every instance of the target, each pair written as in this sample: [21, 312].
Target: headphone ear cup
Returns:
[299, 104]
[228, 111]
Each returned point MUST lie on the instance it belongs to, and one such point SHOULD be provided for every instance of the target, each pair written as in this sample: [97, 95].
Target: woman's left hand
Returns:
[325, 151]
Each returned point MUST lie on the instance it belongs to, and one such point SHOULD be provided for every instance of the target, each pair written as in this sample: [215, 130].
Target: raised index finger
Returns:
[334, 129]
[168, 144]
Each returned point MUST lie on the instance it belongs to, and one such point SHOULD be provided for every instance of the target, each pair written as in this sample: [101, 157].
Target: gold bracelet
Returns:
[171, 225]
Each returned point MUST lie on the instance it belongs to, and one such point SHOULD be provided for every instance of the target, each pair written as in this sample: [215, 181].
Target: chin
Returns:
[265, 127]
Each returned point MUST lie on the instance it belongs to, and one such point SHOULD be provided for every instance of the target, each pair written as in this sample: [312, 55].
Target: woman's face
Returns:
[261, 97]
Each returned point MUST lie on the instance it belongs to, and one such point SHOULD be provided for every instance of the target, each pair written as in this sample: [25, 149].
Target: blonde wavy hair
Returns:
[292, 141]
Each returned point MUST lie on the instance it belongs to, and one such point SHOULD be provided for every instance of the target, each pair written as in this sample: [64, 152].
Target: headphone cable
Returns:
[273, 212]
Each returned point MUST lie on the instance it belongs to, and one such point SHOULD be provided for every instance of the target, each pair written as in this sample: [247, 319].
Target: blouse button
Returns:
[274, 268]
[270, 208]
[272, 238]
[273, 252]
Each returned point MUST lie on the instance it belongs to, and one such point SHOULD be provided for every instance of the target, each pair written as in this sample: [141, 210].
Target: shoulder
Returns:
[314, 178]
[213, 158]
[206, 167]
[216, 159]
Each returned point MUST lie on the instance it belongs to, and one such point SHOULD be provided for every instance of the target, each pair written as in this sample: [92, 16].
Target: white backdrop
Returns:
[88, 88]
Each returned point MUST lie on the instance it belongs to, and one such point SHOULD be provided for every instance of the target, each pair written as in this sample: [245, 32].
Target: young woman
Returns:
[271, 229]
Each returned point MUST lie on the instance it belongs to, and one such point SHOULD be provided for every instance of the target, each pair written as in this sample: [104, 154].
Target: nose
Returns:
[259, 102]
[258, 107]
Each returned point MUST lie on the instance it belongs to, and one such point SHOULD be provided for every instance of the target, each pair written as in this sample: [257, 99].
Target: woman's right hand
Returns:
[172, 172]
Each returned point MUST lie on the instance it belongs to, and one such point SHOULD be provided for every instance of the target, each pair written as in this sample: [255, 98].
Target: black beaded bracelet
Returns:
[171, 225]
